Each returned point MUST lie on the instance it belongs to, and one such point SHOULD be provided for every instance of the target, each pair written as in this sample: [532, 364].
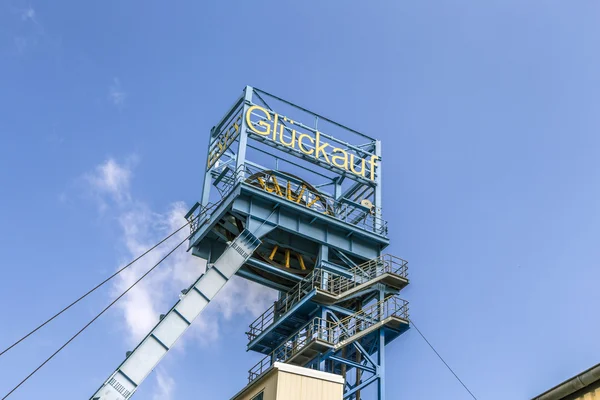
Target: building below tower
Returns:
[585, 386]
[290, 382]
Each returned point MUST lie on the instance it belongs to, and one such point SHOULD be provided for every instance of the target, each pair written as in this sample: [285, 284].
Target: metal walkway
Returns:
[320, 335]
[323, 287]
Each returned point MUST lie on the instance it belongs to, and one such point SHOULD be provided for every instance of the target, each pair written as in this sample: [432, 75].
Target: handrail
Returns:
[339, 209]
[193, 217]
[331, 332]
[330, 282]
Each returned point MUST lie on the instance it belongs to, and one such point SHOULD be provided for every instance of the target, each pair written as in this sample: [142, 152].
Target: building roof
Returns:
[311, 373]
[296, 370]
[572, 385]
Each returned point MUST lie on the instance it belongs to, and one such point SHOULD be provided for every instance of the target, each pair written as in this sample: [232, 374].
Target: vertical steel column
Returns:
[381, 352]
[324, 256]
[359, 373]
[207, 178]
[338, 187]
[323, 327]
[378, 197]
[240, 160]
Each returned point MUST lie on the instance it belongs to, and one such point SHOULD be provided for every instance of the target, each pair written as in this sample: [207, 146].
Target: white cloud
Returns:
[141, 228]
[32, 36]
[165, 386]
[157, 292]
[21, 43]
[116, 94]
[28, 14]
[113, 180]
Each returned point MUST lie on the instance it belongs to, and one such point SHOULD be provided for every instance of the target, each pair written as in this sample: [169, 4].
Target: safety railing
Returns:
[330, 282]
[198, 214]
[283, 305]
[226, 178]
[332, 332]
[293, 190]
[362, 273]
[368, 316]
[260, 368]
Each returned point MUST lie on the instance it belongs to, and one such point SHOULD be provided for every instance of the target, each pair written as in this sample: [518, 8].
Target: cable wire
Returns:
[440, 357]
[95, 318]
[92, 290]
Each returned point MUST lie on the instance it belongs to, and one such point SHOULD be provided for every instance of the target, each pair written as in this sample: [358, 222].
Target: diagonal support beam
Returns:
[358, 346]
[344, 258]
[363, 385]
[354, 364]
[123, 383]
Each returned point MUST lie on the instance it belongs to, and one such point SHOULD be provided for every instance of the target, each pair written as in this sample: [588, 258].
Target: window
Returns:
[258, 396]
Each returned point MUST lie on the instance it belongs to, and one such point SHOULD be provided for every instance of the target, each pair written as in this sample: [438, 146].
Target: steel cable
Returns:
[91, 290]
[440, 357]
[95, 318]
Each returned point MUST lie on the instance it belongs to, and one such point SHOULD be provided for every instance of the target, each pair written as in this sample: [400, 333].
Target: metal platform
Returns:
[320, 336]
[323, 287]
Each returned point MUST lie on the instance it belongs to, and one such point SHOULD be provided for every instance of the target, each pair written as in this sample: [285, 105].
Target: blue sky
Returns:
[488, 115]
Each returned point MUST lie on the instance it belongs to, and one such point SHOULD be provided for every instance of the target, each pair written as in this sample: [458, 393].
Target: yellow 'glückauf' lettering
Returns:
[344, 158]
[275, 127]
[262, 123]
[301, 146]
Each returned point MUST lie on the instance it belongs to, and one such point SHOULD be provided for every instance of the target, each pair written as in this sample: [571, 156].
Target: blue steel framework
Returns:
[318, 217]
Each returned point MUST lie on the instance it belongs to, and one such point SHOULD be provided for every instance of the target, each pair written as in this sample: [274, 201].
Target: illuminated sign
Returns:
[272, 127]
[223, 141]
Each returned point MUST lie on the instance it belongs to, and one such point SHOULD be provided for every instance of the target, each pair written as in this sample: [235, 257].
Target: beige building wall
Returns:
[266, 384]
[294, 386]
[289, 382]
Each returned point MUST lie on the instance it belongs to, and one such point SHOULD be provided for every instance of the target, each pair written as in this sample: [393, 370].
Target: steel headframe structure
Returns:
[306, 221]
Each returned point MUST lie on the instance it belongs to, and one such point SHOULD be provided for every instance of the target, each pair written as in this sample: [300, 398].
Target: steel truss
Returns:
[306, 221]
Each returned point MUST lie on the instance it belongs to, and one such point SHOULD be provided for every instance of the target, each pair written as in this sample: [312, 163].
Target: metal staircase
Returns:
[320, 335]
[327, 287]
[289, 332]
